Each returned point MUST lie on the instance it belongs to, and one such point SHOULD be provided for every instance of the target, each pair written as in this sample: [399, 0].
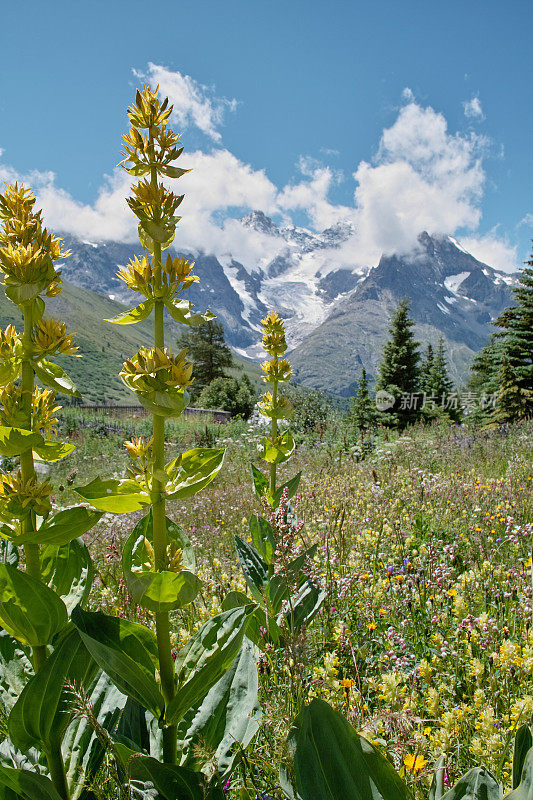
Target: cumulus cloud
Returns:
[423, 177]
[472, 109]
[194, 104]
[493, 249]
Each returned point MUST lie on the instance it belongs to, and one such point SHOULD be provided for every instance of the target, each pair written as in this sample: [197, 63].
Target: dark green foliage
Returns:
[311, 409]
[437, 384]
[229, 394]
[363, 408]
[516, 377]
[426, 367]
[207, 349]
[504, 368]
[399, 370]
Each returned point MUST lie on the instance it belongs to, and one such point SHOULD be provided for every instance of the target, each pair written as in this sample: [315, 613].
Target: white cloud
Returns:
[472, 109]
[311, 194]
[423, 177]
[527, 220]
[407, 95]
[492, 249]
[194, 104]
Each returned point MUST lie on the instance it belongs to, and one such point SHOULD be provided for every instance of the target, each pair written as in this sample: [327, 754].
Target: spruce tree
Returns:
[517, 324]
[363, 409]
[483, 384]
[440, 385]
[209, 353]
[509, 403]
[425, 368]
[398, 372]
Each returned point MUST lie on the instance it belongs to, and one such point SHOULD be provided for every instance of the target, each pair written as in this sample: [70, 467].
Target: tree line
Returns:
[412, 386]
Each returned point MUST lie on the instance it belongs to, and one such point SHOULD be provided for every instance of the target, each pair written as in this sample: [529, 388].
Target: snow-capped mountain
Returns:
[451, 293]
[336, 312]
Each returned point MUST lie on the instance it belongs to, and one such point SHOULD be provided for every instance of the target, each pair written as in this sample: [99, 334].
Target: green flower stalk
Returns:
[159, 378]
[31, 612]
[27, 255]
[276, 370]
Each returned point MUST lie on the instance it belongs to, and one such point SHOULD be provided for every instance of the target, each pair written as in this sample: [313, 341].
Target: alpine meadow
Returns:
[266, 510]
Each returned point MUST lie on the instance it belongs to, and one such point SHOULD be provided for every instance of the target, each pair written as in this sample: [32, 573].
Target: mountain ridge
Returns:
[310, 281]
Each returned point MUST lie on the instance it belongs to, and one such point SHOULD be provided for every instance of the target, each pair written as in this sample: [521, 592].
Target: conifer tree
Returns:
[426, 367]
[517, 366]
[363, 410]
[440, 385]
[209, 353]
[399, 370]
[510, 401]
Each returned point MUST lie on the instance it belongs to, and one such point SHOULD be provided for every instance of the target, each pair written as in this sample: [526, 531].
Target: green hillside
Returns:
[103, 347]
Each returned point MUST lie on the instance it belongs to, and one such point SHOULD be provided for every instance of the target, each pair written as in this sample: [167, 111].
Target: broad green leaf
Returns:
[196, 469]
[22, 294]
[260, 482]
[14, 441]
[149, 243]
[255, 570]
[69, 571]
[522, 744]
[262, 537]
[137, 314]
[62, 527]
[158, 232]
[291, 486]
[181, 311]
[257, 622]
[277, 452]
[477, 784]
[333, 762]
[26, 785]
[52, 451]
[228, 714]
[29, 610]
[55, 377]
[170, 403]
[116, 496]
[127, 652]
[524, 789]
[133, 726]
[278, 591]
[15, 670]
[205, 658]
[436, 790]
[304, 605]
[41, 714]
[170, 781]
[163, 590]
[83, 753]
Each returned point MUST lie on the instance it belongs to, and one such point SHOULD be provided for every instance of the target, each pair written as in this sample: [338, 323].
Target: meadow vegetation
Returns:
[309, 604]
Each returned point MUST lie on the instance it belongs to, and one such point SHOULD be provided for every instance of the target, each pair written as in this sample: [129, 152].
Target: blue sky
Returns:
[428, 104]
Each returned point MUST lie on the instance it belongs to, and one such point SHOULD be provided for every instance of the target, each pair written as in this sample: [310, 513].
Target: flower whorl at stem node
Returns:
[174, 276]
[27, 250]
[50, 338]
[153, 369]
[44, 409]
[19, 497]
